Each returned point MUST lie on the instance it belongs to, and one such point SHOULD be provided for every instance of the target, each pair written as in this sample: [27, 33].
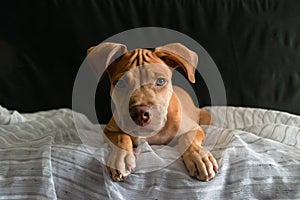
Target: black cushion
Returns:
[255, 44]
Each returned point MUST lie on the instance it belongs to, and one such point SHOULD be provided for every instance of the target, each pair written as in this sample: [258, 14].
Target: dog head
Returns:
[140, 81]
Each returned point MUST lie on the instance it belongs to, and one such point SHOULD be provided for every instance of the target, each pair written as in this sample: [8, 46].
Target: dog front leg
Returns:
[200, 163]
[121, 161]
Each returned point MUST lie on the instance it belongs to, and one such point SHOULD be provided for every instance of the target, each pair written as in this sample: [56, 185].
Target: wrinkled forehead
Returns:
[133, 59]
[138, 63]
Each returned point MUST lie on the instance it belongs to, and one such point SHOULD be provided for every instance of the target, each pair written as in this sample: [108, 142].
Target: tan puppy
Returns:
[148, 106]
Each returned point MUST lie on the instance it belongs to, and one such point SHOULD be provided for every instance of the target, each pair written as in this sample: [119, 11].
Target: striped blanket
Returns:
[46, 155]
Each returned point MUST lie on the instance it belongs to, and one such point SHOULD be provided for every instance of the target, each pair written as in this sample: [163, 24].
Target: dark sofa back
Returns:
[255, 44]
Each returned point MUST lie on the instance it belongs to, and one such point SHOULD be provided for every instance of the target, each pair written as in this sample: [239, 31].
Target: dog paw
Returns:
[200, 164]
[120, 164]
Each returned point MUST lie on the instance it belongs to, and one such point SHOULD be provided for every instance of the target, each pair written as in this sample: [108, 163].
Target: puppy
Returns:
[149, 107]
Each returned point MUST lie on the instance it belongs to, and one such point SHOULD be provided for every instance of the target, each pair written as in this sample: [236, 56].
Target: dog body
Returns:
[149, 107]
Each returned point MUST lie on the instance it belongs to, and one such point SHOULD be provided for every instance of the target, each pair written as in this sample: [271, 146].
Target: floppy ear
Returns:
[177, 55]
[101, 56]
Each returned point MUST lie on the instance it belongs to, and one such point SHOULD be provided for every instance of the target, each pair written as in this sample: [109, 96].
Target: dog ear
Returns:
[101, 56]
[90, 50]
[177, 55]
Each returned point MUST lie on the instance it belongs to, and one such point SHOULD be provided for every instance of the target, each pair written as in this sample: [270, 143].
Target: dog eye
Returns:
[120, 84]
[160, 82]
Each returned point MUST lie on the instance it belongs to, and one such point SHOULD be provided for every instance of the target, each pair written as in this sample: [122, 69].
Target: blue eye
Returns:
[160, 82]
[120, 84]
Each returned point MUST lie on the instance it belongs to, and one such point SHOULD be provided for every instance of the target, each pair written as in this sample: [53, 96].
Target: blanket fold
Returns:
[60, 154]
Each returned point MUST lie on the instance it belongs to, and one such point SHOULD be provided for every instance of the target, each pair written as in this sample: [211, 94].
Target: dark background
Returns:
[254, 43]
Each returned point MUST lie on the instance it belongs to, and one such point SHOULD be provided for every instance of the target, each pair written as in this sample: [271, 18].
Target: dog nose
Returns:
[140, 115]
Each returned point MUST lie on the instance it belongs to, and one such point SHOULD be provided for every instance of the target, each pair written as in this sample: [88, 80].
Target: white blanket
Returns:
[42, 157]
